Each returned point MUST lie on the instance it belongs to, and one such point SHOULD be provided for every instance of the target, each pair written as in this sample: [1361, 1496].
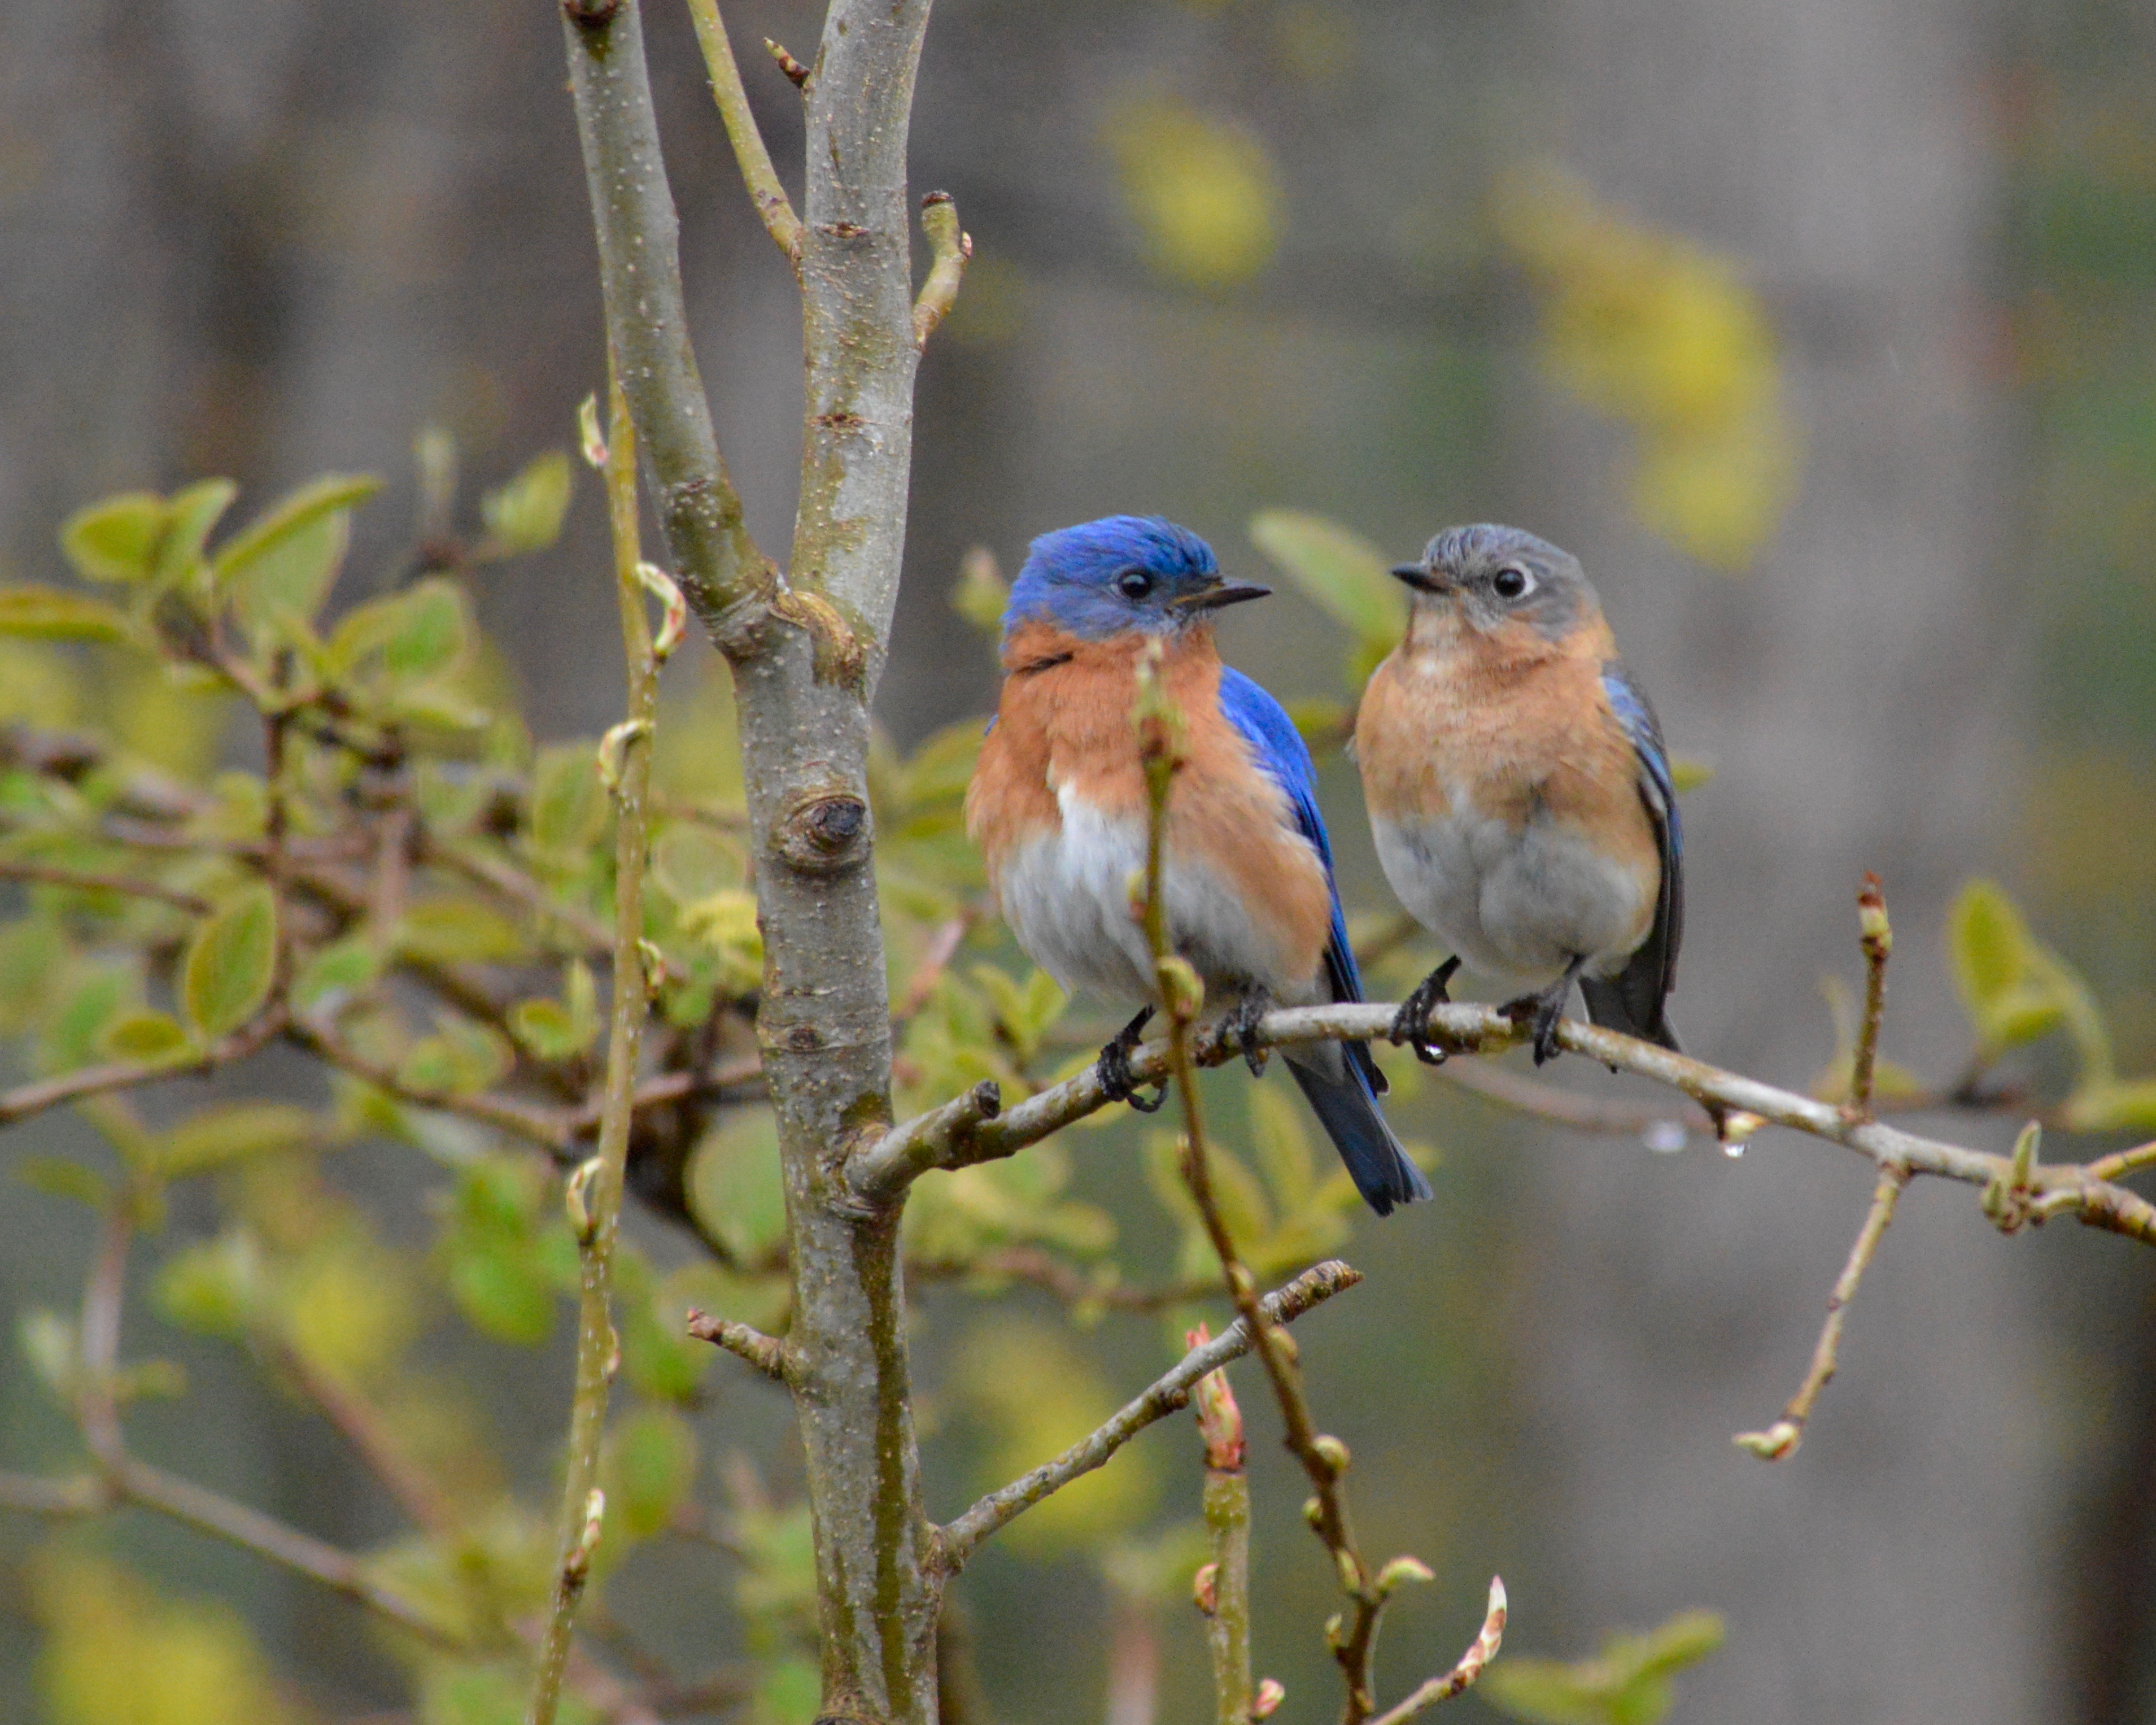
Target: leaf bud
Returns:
[1404, 1568]
[1271, 1692]
[1332, 1452]
[1205, 1588]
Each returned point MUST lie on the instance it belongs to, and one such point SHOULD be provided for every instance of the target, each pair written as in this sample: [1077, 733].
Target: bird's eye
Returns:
[1134, 583]
[1510, 582]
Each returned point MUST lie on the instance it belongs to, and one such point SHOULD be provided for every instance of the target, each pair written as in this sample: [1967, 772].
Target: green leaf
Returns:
[981, 592]
[117, 538]
[292, 577]
[344, 967]
[525, 515]
[71, 1039]
[1688, 775]
[233, 1132]
[430, 631]
[1348, 578]
[459, 931]
[253, 554]
[2113, 1106]
[230, 964]
[213, 1288]
[659, 1357]
[47, 613]
[57, 1177]
[31, 950]
[566, 803]
[2014, 988]
[194, 512]
[145, 1036]
[553, 1030]
[49, 1343]
[736, 1192]
[1628, 1683]
[651, 1465]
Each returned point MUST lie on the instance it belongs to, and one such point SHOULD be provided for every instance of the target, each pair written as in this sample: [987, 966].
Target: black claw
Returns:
[1239, 1031]
[1542, 1011]
[1113, 1069]
[1411, 1022]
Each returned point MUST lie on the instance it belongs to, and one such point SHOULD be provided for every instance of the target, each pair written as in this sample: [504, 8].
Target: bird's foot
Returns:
[1411, 1022]
[1239, 1031]
[1541, 1011]
[1113, 1069]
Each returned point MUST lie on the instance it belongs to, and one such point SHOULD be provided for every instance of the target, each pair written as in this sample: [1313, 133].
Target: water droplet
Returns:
[1733, 1151]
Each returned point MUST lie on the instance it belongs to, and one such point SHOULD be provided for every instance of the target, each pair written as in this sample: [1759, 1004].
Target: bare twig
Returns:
[594, 1190]
[1878, 941]
[1223, 1585]
[1783, 1437]
[766, 1353]
[90, 880]
[765, 189]
[950, 246]
[1461, 1677]
[957, 1540]
[25, 1099]
[549, 1128]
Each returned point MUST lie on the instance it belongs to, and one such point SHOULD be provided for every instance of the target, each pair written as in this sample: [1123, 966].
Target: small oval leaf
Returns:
[230, 964]
[117, 538]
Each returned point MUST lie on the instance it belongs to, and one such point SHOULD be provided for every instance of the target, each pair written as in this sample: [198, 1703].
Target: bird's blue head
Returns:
[1124, 572]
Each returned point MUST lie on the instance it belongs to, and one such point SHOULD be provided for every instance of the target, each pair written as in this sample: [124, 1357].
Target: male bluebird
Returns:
[1519, 792]
[1058, 806]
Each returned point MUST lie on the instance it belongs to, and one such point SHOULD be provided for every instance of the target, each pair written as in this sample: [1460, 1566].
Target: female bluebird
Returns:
[1519, 792]
[1058, 807]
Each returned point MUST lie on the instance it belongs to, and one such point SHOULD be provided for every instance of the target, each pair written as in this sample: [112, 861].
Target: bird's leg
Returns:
[1238, 1030]
[1543, 1010]
[1114, 1068]
[1411, 1022]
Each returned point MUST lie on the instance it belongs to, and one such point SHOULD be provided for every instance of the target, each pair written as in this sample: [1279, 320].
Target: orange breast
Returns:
[1064, 726]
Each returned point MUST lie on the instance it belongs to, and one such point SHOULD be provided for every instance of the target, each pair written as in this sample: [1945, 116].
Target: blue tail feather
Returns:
[1348, 1111]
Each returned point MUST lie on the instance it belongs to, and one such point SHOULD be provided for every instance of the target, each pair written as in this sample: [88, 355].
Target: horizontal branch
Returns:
[25, 1099]
[745, 1342]
[930, 1141]
[955, 1541]
[90, 880]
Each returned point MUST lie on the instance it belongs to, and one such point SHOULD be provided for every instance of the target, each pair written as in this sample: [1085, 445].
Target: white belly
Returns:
[1516, 906]
[1067, 897]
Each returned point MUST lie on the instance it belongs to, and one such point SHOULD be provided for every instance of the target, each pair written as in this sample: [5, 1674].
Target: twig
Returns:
[364, 1428]
[90, 880]
[594, 1190]
[549, 1128]
[513, 884]
[1467, 1029]
[1461, 1677]
[757, 172]
[1783, 1437]
[957, 1539]
[943, 947]
[2123, 1162]
[1223, 1585]
[955, 1124]
[25, 1099]
[766, 1353]
[1877, 936]
[950, 246]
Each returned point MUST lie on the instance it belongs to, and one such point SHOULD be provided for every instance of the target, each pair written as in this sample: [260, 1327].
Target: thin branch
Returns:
[1468, 1029]
[950, 246]
[1783, 1437]
[510, 882]
[2123, 1162]
[549, 1128]
[25, 1099]
[765, 190]
[594, 1190]
[647, 321]
[1461, 1677]
[957, 1539]
[1878, 941]
[90, 880]
[1223, 1585]
[766, 1353]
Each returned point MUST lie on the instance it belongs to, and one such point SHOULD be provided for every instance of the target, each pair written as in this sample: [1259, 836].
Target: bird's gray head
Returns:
[1495, 574]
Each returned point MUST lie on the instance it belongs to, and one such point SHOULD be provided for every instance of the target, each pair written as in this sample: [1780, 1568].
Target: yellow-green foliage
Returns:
[1661, 332]
[1202, 191]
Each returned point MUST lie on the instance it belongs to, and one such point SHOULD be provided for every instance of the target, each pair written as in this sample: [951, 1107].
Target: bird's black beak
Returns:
[1223, 593]
[1421, 579]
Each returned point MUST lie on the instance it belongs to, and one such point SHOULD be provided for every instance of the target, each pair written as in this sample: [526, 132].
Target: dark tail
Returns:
[1611, 1006]
[1339, 1080]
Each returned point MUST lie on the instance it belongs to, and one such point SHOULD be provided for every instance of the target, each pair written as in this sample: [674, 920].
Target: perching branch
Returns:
[955, 1540]
[1466, 1029]
[1461, 1677]
[761, 178]
[593, 1191]
[745, 1342]
[951, 247]
[1783, 1437]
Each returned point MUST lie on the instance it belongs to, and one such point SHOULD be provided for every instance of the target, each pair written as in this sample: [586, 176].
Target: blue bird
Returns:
[1058, 806]
[1519, 792]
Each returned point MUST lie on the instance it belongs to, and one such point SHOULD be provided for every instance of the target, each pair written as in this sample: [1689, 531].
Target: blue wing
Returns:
[1633, 1000]
[1343, 1095]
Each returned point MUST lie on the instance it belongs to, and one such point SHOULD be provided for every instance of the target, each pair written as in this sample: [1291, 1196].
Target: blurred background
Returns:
[1822, 333]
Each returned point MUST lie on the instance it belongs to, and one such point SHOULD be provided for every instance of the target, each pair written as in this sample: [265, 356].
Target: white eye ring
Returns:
[1512, 582]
